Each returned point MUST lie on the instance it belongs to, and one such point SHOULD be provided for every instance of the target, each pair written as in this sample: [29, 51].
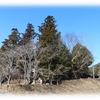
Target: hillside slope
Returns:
[66, 87]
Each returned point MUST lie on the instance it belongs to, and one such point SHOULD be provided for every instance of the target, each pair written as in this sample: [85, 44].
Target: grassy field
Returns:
[78, 86]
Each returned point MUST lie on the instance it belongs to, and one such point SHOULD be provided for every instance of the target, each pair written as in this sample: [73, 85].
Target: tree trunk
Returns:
[57, 79]
[57, 82]
[79, 75]
[34, 78]
[29, 72]
[34, 81]
[75, 75]
[8, 81]
[0, 83]
[18, 81]
[24, 78]
[51, 81]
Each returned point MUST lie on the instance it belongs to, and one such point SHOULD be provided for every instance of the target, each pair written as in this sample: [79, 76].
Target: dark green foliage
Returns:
[12, 41]
[55, 56]
[62, 59]
[48, 39]
[29, 35]
[49, 58]
[49, 45]
[14, 38]
[49, 31]
[81, 59]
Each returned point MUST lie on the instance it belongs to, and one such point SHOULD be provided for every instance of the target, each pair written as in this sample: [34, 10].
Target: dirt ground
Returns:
[79, 86]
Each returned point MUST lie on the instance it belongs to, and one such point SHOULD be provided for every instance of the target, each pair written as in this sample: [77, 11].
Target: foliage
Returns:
[48, 58]
[12, 41]
[29, 35]
[51, 41]
[81, 59]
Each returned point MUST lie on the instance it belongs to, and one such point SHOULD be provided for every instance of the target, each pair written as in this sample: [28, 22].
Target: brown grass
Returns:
[66, 87]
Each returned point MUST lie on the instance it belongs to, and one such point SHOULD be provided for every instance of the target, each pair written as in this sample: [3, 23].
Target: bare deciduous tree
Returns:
[7, 63]
[81, 58]
[2, 77]
[72, 40]
[25, 56]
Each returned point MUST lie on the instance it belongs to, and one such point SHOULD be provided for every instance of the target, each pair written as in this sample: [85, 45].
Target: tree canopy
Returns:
[48, 58]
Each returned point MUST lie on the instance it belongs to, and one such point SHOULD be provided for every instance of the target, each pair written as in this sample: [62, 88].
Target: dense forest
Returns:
[44, 55]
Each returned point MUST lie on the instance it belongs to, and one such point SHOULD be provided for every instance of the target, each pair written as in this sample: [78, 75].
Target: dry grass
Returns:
[66, 87]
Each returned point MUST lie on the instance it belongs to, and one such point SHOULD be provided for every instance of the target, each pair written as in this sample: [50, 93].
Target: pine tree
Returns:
[12, 41]
[29, 35]
[49, 46]
[5, 45]
[61, 61]
[48, 30]
[14, 38]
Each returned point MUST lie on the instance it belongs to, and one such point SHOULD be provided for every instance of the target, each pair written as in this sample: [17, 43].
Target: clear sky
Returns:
[83, 20]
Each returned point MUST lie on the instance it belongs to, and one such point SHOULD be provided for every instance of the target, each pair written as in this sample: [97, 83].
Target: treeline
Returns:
[95, 69]
[44, 55]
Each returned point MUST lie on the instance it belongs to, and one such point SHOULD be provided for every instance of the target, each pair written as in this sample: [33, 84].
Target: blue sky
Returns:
[80, 20]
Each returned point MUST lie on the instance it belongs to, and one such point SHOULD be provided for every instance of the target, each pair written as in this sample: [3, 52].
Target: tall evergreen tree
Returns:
[51, 47]
[14, 38]
[29, 35]
[12, 41]
[48, 30]
[50, 35]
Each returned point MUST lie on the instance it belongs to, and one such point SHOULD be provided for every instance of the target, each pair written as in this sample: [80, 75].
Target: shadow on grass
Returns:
[27, 87]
